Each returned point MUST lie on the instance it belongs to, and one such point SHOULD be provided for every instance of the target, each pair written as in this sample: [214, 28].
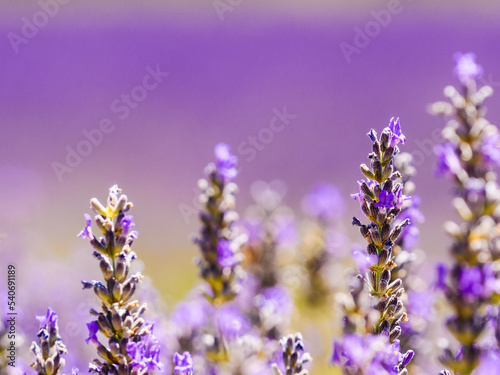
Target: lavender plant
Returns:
[218, 241]
[381, 198]
[50, 348]
[469, 156]
[215, 330]
[131, 348]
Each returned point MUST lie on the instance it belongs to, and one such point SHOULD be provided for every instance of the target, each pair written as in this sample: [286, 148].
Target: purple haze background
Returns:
[225, 79]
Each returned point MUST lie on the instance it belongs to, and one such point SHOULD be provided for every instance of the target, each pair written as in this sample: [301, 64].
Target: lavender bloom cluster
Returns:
[469, 157]
[219, 244]
[381, 198]
[50, 348]
[131, 346]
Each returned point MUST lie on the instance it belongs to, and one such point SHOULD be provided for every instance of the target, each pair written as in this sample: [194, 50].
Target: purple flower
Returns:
[372, 134]
[145, 353]
[183, 363]
[466, 68]
[231, 323]
[385, 200]
[370, 354]
[324, 202]
[225, 255]
[397, 135]
[49, 320]
[447, 160]
[127, 223]
[87, 230]
[225, 162]
[93, 328]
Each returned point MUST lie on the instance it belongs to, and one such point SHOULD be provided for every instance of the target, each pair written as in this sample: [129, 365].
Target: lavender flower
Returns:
[381, 201]
[50, 348]
[132, 348]
[219, 243]
[468, 156]
[371, 355]
[183, 364]
[294, 357]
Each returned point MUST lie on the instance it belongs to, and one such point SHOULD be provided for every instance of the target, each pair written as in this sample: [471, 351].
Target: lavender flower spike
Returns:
[469, 156]
[50, 348]
[131, 348]
[294, 357]
[381, 207]
[218, 241]
[381, 311]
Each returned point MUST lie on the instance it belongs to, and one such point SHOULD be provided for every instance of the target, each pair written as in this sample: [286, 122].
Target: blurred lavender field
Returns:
[139, 94]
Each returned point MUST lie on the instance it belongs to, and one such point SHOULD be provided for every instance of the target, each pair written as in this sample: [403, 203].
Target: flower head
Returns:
[145, 353]
[385, 200]
[397, 136]
[93, 328]
[49, 320]
[86, 232]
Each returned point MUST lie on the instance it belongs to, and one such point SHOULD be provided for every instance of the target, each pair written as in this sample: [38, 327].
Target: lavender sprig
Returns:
[50, 348]
[294, 357]
[218, 241]
[132, 348]
[381, 198]
[469, 156]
